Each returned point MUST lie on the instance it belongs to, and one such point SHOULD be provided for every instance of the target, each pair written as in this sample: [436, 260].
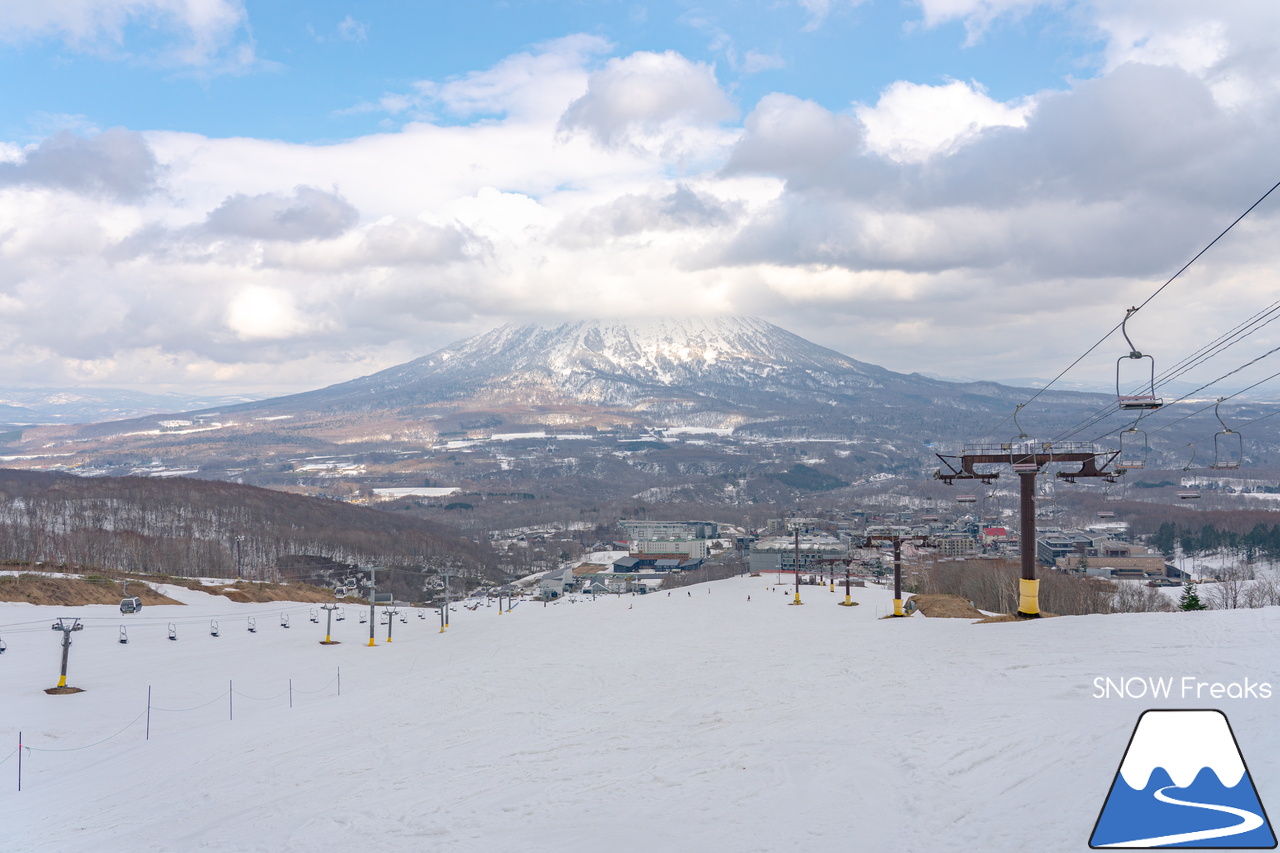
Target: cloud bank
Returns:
[937, 229]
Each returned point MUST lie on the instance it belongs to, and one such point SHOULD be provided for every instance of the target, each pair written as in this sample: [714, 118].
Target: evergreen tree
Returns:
[1189, 600]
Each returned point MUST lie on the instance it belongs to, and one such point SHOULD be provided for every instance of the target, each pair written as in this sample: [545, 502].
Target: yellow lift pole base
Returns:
[1028, 598]
[897, 607]
[847, 602]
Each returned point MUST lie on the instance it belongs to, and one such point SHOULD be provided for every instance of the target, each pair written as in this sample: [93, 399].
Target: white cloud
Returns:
[911, 122]
[307, 214]
[208, 35]
[564, 186]
[261, 313]
[117, 163]
[979, 15]
[526, 85]
[350, 29]
[819, 10]
[648, 100]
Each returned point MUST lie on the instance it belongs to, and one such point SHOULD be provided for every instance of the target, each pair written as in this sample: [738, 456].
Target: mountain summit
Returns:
[715, 372]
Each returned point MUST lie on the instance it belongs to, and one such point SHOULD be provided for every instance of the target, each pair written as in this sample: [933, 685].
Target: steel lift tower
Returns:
[1026, 457]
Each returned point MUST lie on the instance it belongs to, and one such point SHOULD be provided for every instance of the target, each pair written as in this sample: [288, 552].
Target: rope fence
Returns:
[24, 747]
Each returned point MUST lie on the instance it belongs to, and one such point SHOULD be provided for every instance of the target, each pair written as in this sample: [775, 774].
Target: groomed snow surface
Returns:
[699, 721]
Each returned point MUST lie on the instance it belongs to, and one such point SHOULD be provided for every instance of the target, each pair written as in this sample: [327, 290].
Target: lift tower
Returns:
[897, 537]
[1026, 458]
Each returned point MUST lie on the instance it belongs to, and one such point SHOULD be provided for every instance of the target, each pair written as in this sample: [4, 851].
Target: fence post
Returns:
[148, 712]
[231, 698]
[19, 761]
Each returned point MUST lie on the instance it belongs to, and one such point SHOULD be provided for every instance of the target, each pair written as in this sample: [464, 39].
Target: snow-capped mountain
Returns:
[735, 373]
[728, 369]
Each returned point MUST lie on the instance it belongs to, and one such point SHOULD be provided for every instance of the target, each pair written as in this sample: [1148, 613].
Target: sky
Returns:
[241, 197]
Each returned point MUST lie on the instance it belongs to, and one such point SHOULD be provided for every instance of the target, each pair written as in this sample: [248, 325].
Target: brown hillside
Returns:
[73, 592]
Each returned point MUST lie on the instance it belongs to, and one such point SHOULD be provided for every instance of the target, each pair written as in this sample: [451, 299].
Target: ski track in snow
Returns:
[699, 723]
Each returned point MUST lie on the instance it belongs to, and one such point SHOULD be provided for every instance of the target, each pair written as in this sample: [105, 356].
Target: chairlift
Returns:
[253, 625]
[341, 614]
[284, 620]
[1228, 445]
[1136, 402]
[173, 631]
[315, 615]
[929, 519]
[340, 592]
[966, 499]
[1134, 448]
[4, 646]
[1106, 513]
[1109, 493]
[1189, 495]
[213, 628]
[124, 636]
[363, 617]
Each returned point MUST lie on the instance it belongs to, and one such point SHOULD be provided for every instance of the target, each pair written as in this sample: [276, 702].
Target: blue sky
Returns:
[246, 197]
[318, 60]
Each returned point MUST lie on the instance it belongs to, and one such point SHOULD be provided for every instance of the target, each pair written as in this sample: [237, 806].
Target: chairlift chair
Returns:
[284, 620]
[1189, 495]
[315, 615]
[1106, 513]
[1134, 448]
[4, 646]
[173, 631]
[253, 625]
[1228, 445]
[1136, 402]
[213, 628]
[341, 614]
[966, 499]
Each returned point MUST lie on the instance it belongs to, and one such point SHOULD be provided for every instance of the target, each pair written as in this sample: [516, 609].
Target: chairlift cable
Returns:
[1145, 302]
[1211, 405]
[1113, 408]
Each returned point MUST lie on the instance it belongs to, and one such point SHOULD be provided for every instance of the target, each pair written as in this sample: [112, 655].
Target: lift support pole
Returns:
[897, 539]
[1027, 457]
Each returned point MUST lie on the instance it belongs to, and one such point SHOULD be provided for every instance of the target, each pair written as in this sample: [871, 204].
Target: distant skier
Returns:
[690, 594]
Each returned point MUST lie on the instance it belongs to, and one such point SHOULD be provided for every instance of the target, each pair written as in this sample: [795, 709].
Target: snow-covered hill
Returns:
[703, 721]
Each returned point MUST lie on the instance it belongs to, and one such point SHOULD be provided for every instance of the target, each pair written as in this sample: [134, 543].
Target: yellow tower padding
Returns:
[1028, 597]
[897, 607]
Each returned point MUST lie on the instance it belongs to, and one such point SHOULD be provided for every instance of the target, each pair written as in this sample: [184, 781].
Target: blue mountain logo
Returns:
[1183, 783]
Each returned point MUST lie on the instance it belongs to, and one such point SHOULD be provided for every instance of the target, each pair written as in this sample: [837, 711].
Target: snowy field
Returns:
[701, 721]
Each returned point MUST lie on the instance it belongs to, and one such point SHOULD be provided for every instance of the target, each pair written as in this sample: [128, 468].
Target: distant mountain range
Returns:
[88, 405]
[742, 376]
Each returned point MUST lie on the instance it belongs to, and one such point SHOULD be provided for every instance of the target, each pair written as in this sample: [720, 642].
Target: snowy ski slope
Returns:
[701, 721]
